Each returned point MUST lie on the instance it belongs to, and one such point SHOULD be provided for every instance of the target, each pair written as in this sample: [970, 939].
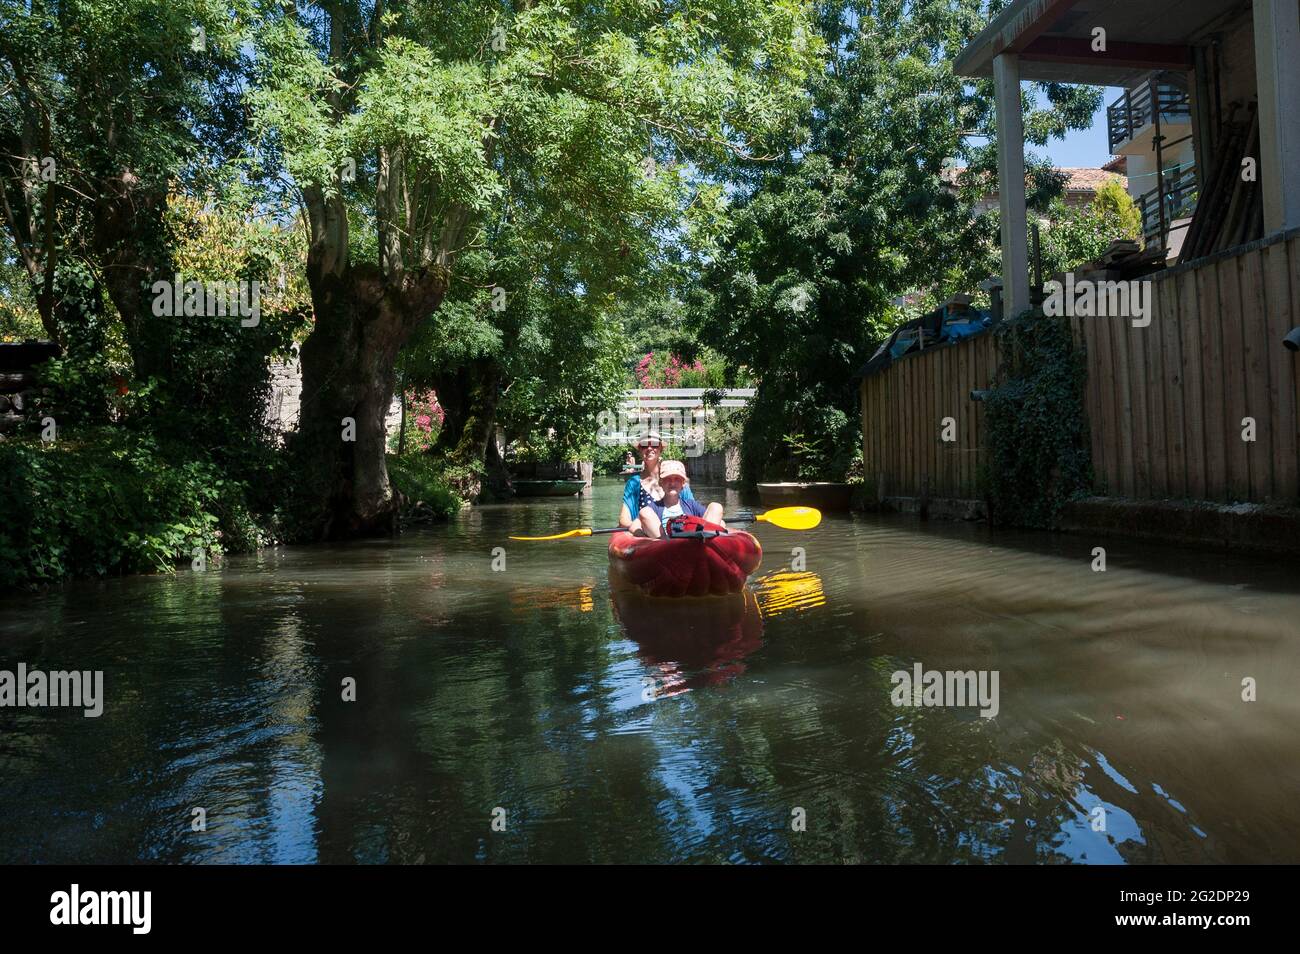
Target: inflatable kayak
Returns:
[712, 566]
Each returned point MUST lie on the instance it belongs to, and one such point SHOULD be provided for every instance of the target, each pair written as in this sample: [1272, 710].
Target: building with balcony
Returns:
[1150, 125]
[1192, 399]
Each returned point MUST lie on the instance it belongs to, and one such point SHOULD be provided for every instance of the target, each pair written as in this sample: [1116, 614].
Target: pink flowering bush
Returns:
[424, 418]
[660, 369]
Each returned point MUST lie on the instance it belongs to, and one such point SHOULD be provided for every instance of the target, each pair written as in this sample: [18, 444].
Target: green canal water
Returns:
[600, 728]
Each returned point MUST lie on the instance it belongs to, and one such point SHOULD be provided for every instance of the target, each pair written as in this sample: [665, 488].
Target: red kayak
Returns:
[713, 566]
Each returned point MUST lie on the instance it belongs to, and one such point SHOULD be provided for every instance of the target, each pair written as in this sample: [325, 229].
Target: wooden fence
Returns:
[903, 408]
[1165, 403]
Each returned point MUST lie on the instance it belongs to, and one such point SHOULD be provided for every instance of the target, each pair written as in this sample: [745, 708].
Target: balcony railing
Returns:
[1140, 107]
[1174, 198]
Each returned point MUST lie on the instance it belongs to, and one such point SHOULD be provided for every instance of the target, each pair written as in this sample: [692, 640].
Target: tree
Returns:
[411, 130]
[103, 107]
[1078, 234]
[854, 213]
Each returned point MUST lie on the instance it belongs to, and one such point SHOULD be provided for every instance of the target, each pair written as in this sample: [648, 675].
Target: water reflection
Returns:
[1121, 703]
[789, 591]
[689, 643]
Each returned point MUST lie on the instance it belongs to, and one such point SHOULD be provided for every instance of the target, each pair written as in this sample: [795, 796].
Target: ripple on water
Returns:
[667, 732]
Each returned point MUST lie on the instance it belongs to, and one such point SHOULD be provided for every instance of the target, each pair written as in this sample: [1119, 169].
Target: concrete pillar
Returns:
[1277, 69]
[1011, 184]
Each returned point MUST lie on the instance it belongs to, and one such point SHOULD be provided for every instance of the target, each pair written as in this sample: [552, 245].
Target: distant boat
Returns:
[548, 488]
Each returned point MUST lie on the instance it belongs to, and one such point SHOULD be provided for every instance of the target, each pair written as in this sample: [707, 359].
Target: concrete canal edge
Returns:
[1246, 527]
[1268, 529]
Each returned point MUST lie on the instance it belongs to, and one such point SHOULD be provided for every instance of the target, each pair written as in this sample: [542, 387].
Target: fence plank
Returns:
[931, 433]
[1289, 376]
[1157, 412]
[1191, 316]
[948, 384]
[1175, 413]
[1140, 379]
[1092, 398]
[910, 399]
[1234, 379]
[1119, 329]
[1254, 332]
[1113, 481]
[870, 465]
[1216, 452]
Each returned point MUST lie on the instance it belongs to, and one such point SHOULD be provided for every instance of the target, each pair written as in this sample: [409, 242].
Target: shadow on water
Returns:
[611, 728]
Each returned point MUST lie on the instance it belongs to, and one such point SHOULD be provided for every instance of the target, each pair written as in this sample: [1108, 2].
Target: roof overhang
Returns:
[1054, 38]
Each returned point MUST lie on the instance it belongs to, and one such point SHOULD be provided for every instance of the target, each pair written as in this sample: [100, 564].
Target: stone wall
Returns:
[715, 467]
[18, 386]
[285, 401]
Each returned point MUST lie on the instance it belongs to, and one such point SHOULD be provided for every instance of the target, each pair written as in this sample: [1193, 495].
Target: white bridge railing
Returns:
[652, 398]
[677, 414]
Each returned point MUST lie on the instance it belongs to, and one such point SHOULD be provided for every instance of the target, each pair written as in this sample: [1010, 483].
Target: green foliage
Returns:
[423, 421]
[1037, 436]
[427, 485]
[853, 214]
[111, 501]
[120, 104]
[555, 151]
[1078, 234]
[566, 368]
[19, 319]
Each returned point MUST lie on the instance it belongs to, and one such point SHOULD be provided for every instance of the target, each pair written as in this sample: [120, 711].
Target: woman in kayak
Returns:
[643, 488]
[675, 503]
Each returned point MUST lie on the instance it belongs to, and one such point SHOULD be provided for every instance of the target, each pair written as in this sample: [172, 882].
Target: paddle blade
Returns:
[580, 532]
[792, 518]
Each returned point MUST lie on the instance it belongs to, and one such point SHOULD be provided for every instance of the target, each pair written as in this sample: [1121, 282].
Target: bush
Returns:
[428, 485]
[1038, 457]
[109, 501]
[424, 418]
[1079, 234]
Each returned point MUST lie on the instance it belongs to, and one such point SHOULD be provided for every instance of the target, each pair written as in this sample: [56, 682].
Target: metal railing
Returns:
[1139, 107]
[1173, 198]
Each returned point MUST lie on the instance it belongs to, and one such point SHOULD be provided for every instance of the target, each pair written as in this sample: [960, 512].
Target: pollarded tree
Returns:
[409, 129]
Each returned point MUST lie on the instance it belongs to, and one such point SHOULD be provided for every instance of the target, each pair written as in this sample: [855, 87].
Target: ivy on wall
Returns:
[1037, 437]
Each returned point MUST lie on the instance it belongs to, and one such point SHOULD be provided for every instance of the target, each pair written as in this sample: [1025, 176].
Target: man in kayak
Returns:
[643, 488]
[675, 503]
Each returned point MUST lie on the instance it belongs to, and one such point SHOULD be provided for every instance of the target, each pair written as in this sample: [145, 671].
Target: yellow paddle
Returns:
[787, 518]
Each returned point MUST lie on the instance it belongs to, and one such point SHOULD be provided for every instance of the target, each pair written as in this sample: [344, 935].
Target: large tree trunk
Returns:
[476, 429]
[472, 394]
[348, 377]
[364, 314]
[128, 241]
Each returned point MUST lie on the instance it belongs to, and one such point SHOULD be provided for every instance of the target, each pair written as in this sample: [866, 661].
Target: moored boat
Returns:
[823, 495]
[548, 488]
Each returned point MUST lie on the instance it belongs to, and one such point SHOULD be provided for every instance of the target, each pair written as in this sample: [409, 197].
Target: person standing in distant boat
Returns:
[643, 489]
